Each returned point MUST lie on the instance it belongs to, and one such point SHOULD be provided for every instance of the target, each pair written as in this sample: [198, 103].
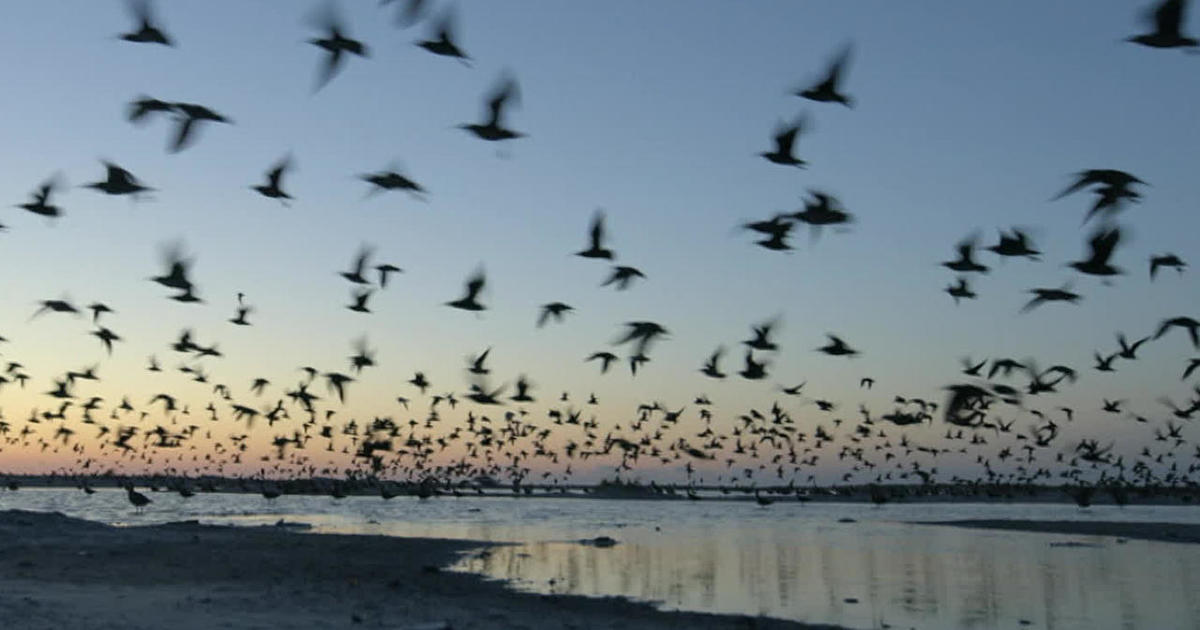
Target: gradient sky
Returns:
[969, 117]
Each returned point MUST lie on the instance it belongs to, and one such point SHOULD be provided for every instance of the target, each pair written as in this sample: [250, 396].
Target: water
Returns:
[789, 560]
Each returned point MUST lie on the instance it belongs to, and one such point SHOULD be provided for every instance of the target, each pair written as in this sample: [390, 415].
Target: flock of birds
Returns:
[523, 437]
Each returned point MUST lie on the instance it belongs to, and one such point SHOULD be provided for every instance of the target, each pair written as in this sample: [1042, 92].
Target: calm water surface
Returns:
[789, 560]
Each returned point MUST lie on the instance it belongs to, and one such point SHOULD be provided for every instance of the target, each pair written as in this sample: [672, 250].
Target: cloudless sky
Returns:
[969, 117]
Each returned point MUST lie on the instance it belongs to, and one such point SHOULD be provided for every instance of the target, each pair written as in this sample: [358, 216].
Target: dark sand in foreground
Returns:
[1165, 532]
[58, 572]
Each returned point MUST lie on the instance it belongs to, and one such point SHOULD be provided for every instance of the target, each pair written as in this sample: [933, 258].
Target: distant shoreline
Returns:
[1159, 532]
[889, 493]
[61, 572]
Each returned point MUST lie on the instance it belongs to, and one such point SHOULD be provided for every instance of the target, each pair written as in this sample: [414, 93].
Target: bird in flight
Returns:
[335, 44]
[189, 115]
[118, 181]
[622, 276]
[553, 310]
[358, 267]
[492, 128]
[1041, 296]
[710, 368]
[965, 263]
[827, 89]
[960, 291]
[273, 188]
[470, 299]
[147, 32]
[1102, 244]
[392, 179]
[785, 140]
[41, 200]
[1167, 18]
[1187, 323]
[596, 247]
[1166, 260]
[836, 347]
[442, 43]
[1015, 243]
[605, 358]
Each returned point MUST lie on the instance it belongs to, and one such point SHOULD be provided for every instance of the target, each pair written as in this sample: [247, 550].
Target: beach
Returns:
[1161, 532]
[61, 572]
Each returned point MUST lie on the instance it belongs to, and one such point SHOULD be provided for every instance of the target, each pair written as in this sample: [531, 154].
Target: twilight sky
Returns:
[969, 117]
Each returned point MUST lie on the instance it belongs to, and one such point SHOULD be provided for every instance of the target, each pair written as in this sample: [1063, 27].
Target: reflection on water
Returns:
[864, 575]
[789, 560]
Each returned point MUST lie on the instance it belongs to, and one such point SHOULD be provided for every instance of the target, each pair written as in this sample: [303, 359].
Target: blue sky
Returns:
[969, 117]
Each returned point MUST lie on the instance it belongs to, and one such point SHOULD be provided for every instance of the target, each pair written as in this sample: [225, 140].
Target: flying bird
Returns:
[827, 90]
[1102, 244]
[41, 200]
[335, 44]
[492, 128]
[147, 32]
[470, 299]
[553, 310]
[1167, 18]
[1166, 260]
[596, 247]
[273, 188]
[442, 42]
[118, 181]
[785, 140]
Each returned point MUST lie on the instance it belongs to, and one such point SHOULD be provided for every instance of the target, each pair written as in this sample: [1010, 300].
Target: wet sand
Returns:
[58, 572]
[1165, 532]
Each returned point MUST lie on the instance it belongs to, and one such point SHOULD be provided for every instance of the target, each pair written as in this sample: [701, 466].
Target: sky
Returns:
[968, 118]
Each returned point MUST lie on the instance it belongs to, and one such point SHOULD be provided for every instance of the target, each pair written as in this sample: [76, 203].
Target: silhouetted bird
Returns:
[710, 368]
[836, 347]
[596, 247]
[147, 32]
[470, 300]
[41, 200]
[118, 181]
[57, 306]
[622, 276]
[98, 309]
[823, 209]
[189, 115]
[358, 267]
[762, 337]
[553, 310]
[391, 179]
[1041, 296]
[384, 270]
[785, 140]
[141, 107]
[1102, 244]
[754, 370]
[965, 263]
[273, 187]
[1167, 18]
[960, 291]
[826, 90]
[492, 128]
[1014, 244]
[442, 42]
[136, 498]
[360, 297]
[605, 358]
[1166, 260]
[1187, 323]
[334, 43]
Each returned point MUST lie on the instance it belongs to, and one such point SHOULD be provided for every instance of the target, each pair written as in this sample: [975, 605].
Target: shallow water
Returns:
[789, 560]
